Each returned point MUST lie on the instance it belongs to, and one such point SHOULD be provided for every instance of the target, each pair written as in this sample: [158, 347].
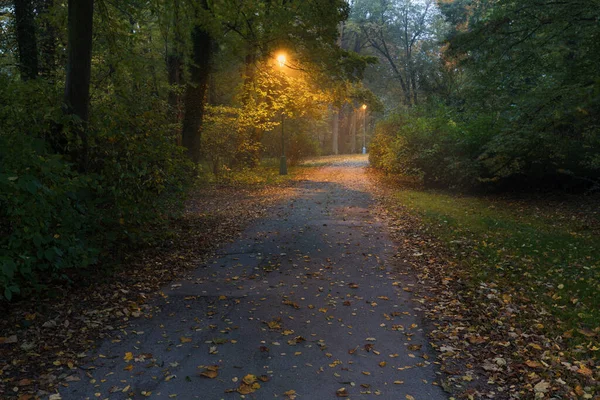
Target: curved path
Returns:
[308, 301]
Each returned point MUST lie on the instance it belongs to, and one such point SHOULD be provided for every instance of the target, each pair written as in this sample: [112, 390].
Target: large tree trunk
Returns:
[79, 67]
[353, 132]
[196, 89]
[26, 39]
[336, 131]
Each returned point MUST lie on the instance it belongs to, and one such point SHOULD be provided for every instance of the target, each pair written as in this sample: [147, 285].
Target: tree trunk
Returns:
[26, 39]
[353, 132]
[413, 80]
[196, 89]
[336, 129]
[79, 67]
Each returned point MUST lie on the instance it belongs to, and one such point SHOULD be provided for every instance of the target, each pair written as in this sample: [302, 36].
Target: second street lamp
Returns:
[364, 149]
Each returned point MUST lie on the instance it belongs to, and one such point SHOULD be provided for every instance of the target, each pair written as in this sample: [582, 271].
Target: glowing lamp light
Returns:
[281, 60]
[364, 106]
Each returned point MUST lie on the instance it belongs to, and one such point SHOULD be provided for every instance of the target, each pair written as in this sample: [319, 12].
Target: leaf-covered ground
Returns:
[332, 307]
[306, 303]
[512, 289]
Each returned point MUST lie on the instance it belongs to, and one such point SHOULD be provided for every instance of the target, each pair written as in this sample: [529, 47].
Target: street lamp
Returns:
[364, 108]
[281, 59]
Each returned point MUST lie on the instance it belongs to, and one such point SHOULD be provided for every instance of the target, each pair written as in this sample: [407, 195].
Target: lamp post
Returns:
[283, 162]
[364, 149]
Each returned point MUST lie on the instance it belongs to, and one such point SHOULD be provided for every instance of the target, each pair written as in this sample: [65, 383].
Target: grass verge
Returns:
[509, 287]
[549, 254]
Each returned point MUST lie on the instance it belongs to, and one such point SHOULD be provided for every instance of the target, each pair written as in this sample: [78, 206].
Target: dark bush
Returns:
[53, 216]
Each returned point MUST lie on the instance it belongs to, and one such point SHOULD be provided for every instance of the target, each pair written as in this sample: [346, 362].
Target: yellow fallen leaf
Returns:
[583, 370]
[274, 324]
[245, 389]
[185, 339]
[533, 364]
[209, 374]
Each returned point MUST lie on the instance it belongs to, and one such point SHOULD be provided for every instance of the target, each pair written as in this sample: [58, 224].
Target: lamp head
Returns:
[281, 59]
[364, 107]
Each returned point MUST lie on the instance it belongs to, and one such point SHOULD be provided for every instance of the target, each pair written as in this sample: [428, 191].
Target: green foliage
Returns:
[142, 172]
[54, 218]
[224, 139]
[44, 215]
[517, 101]
[533, 67]
[432, 147]
[301, 146]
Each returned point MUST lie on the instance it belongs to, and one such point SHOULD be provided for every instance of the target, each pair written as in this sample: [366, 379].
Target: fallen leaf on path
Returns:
[533, 364]
[210, 372]
[541, 387]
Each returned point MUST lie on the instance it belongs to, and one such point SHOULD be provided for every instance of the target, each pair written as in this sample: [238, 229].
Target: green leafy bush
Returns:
[301, 146]
[55, 217]
[430, 146]
[44, 215]
[220, 137]
[142, 173]
[447, 148]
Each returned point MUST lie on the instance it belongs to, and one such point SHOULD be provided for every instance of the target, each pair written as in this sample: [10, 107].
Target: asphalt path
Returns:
[309, 303]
